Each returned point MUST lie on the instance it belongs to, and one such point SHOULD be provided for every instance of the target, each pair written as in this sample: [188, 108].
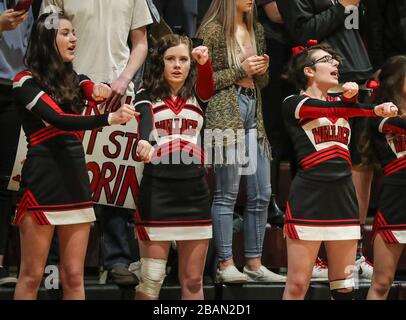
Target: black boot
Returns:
[276, 216]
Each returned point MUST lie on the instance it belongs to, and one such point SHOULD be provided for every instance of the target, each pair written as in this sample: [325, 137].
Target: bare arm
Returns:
[138, 54]
[272, 12]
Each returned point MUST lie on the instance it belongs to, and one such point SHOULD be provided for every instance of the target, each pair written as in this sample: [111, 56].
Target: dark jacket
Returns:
[386, 29]
[273, 30]
[324, 20]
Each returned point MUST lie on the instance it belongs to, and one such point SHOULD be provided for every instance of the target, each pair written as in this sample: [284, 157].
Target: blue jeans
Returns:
[258, 190]
[118, 239]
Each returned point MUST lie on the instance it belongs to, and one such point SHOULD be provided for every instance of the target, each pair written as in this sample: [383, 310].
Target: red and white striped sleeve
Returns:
[29, 95]
[395, 126]
[302, 107]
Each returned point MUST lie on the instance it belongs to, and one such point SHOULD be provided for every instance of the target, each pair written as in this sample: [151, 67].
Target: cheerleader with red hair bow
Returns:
[388, 137]
[322, 204]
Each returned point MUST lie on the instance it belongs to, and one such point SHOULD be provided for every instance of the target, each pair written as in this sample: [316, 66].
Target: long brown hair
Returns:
[56, 77]
[225, 11]
[154, 80]
[392, 79]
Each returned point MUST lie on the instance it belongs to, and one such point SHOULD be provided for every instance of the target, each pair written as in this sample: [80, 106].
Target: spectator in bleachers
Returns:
[180, 15]
[237, 48]
[386, 30]
[326, 21]
[15, 27]
[104, 27]
[202, 6]
[191, 13]
[389, 145]
[277, 43]
[174, 14]
[55, 187]
[322, 204]
[174, 200]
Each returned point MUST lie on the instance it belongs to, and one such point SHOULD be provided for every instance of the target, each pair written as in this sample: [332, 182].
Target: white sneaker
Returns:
[364, 267]
[231, 275]
[263, 275]
[135, 268]
[320, 271]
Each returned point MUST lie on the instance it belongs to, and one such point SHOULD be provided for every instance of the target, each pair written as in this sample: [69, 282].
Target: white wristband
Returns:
[109, 118]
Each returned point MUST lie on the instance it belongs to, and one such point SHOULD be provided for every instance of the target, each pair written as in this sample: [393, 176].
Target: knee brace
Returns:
[337, 285]
[153, 272]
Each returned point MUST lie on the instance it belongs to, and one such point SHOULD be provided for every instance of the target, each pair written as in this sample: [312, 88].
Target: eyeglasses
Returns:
[329, 59]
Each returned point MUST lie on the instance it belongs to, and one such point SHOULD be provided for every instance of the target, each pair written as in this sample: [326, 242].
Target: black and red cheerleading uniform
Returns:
[322, 203]
[174, 202]
[389, 140]
[54, 187]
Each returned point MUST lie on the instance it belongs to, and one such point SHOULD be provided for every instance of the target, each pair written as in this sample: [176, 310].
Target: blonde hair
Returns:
[225, 11]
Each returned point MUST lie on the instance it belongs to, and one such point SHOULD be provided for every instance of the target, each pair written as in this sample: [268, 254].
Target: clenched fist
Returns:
[101, 92]
[145, 151]
[346, 3]
[200, 54]
[350, 89]
[122, 115]
[387, 109]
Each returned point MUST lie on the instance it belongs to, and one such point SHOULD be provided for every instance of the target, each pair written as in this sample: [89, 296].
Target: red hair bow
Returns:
[373, 84]
[298, 49]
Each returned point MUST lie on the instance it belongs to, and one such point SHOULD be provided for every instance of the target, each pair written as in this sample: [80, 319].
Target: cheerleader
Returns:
[389, 144]
[322, 205]
[174, 203]
[55, 188]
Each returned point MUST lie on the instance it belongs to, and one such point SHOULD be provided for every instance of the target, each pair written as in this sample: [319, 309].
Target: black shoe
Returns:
[120, 275]
[5, 279]
[276, 217]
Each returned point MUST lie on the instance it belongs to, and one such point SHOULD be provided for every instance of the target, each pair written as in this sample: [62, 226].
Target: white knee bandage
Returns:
[342, 284]
[337, 285]
[153, 272]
